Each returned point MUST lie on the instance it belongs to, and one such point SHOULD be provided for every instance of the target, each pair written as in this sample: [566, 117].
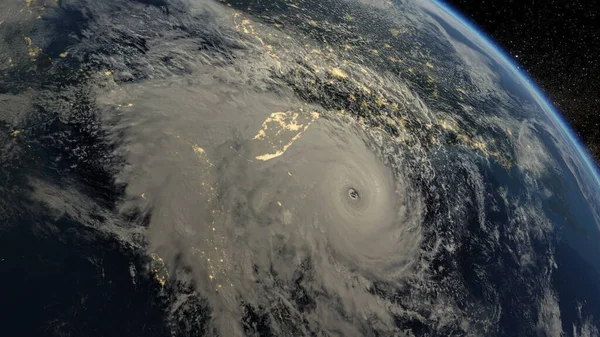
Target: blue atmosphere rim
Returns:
[530, 84]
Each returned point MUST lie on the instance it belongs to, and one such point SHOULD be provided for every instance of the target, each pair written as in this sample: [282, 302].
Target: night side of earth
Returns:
[284, 168]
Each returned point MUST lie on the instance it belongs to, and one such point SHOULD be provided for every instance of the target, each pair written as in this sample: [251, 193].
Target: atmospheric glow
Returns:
[530, 85]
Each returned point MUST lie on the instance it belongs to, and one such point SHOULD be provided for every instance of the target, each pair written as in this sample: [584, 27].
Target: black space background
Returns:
[558, 43]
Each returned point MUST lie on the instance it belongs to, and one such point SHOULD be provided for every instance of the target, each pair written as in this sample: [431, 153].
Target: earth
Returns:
[284, 168]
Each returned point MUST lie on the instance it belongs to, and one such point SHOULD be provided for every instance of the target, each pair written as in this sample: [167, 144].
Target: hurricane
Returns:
[283, 168]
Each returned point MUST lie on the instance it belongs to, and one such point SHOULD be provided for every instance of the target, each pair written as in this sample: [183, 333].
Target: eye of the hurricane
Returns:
[353, 194]
[344, 195]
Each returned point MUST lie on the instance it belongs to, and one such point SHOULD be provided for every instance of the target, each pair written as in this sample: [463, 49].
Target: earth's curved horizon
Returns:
[593, 166]
[284, 168]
